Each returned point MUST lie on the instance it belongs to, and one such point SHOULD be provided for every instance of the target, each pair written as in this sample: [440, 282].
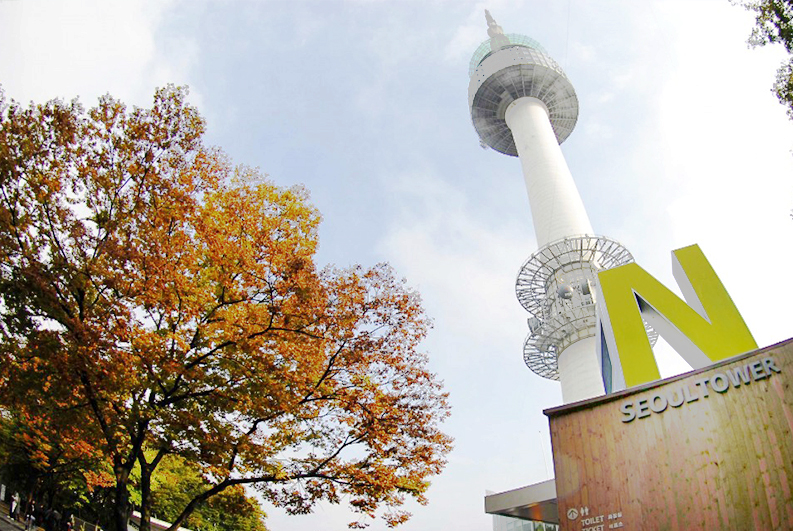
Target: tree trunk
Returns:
[122, 508]
[145, 496]
[146, 471]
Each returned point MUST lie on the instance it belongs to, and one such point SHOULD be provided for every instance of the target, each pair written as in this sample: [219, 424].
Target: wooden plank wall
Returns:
[721, 462]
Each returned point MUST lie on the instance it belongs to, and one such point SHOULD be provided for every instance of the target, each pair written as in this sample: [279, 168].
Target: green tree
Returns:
[774, 24]
[153, 296]
[176, 482]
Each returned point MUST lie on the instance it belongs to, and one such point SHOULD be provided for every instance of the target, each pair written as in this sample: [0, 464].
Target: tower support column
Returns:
[580, 371]
[556, 206]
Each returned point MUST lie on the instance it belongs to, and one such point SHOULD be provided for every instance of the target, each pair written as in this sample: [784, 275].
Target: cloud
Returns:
[466, 38]
[597, 131]
[581, 53]
[731, 166]
[458, 260]
[470, 34]
[65, 49]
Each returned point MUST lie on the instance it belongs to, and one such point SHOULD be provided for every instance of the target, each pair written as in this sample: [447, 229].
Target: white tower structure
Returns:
[522, 104]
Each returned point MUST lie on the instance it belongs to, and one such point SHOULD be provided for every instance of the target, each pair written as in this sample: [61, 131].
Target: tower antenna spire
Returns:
[490, 20]
[497, 38]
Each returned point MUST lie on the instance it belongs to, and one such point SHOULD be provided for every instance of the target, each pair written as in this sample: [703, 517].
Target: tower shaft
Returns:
[556, 207]
[557, 212]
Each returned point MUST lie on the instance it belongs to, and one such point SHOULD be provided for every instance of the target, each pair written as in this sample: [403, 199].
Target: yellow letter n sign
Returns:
[705, 328]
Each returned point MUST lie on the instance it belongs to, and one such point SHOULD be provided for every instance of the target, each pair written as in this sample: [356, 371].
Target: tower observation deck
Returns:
[522, 104]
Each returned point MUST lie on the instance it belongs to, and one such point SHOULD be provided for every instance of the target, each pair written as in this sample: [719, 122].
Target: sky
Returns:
[679, 141]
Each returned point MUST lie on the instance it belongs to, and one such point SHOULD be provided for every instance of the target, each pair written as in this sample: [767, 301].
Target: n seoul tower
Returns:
[522, 104]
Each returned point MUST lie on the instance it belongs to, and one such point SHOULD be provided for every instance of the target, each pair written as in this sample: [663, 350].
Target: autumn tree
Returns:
[59, 476]
[774, 24]
[156, 301]
[37, 466]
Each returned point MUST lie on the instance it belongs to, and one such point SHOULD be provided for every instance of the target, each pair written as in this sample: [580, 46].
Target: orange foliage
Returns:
[99, 478]
[155, 296]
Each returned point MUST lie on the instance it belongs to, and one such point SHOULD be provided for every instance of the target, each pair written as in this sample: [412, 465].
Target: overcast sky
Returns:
[679, 141]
